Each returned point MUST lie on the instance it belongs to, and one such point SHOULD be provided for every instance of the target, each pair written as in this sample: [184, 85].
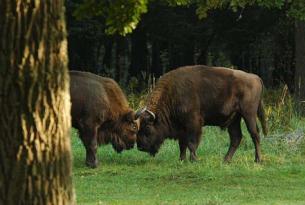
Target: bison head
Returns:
[125, 134]
[149, 137]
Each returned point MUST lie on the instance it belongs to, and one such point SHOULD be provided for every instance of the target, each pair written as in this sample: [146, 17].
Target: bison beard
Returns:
[101, 113]
[190, 97]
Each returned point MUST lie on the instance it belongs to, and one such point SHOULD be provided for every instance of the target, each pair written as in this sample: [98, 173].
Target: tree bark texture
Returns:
[300, 65]
[35, 150]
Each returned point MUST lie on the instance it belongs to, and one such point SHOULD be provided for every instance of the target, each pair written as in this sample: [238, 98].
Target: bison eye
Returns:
[134, 126]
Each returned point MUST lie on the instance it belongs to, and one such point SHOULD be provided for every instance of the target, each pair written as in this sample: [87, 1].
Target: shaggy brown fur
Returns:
[101, 113]
[190, 97]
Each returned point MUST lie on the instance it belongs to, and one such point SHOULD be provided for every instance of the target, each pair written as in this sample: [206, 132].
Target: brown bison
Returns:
[190, 97]
[101, 113]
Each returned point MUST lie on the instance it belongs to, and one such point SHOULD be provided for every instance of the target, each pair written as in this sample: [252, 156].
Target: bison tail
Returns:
[262, 117]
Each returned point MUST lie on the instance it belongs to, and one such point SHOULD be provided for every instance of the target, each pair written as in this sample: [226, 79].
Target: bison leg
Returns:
[193, 145]
[91, 149]
[235, 138]
[195, 135]
[89, 138]
[252, 128]
[182, 146]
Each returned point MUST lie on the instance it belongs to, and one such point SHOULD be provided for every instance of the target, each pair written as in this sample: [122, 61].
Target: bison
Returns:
[101, 114]
[187, 98]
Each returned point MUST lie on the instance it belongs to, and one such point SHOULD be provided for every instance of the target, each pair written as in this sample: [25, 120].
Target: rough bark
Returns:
[35, 151]
[300, 65]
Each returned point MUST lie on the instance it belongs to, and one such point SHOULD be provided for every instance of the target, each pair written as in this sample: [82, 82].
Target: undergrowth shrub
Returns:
[135, 97]
[136, 100]
[279, 108]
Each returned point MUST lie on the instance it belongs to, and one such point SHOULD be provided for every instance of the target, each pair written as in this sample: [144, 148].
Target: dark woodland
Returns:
[255, 39]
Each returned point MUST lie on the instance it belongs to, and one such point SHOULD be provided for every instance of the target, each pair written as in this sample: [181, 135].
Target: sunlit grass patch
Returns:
[134, 177]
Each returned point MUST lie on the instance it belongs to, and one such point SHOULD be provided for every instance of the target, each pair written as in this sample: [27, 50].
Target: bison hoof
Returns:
[227, 160]
[91, 164]
[182, 158]
[193, 158]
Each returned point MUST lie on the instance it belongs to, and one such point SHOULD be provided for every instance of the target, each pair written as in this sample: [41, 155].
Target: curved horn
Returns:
[151, 113]
[139, 112]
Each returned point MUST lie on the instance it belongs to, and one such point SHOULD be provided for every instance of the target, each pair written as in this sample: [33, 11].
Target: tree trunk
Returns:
[107, 59]
[156, 66]
[121, 48]
[138, 52]
[204, 45]
[203, 56]
[35, 151]
[175, 57]
[300, 65]
[188, 53]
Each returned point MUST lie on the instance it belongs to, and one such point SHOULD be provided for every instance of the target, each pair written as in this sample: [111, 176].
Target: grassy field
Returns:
[134, 177]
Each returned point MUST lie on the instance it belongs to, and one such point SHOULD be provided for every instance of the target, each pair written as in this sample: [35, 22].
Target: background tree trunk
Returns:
[120, 56]
[156, 66]
[107, 59]
[300, 65]
[188, 53]
[35, 150]
[138, 52]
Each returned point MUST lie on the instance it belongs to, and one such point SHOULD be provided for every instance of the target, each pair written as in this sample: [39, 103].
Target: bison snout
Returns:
[130, 146]
[140, 146]
[119, 149]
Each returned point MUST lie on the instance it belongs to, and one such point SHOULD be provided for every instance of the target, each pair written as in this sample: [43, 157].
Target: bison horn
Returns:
[151, 113]
[140, 111]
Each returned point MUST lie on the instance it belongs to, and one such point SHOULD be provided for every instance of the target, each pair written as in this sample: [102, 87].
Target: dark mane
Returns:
[161, 100]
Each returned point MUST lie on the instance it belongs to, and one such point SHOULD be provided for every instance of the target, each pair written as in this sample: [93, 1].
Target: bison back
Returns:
[89, 98]
[214, 92]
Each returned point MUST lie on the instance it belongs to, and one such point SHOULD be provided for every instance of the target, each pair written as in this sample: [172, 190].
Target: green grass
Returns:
[134, 177]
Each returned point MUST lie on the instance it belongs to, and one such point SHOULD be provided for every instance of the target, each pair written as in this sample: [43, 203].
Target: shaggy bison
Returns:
[190, 97]
[101, 113]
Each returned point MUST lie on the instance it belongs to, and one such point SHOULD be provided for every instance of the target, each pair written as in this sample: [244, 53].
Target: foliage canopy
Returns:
[122, 16]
